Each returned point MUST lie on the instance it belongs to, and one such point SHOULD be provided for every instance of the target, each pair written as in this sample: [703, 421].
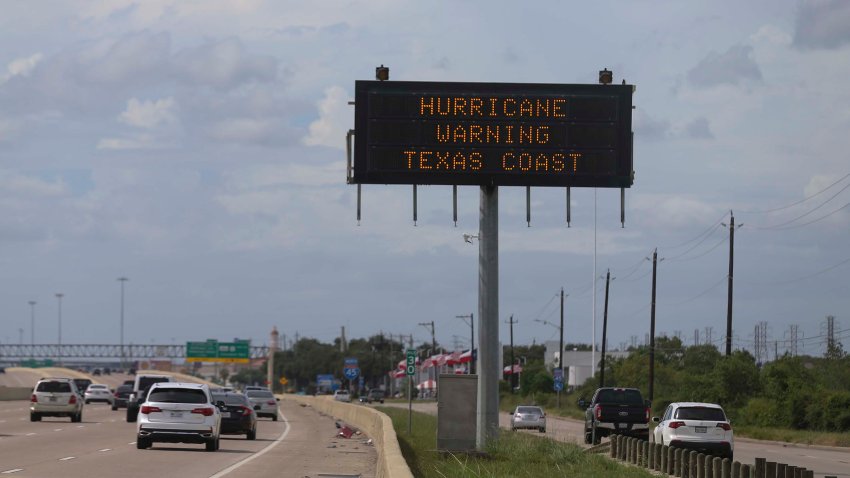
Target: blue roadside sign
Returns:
[351, 373]
[558, 385]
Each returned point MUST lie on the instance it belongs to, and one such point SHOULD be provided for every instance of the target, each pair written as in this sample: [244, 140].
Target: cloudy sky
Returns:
[197, 148]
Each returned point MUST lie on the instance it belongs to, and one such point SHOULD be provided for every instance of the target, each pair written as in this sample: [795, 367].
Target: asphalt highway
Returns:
[302, 444]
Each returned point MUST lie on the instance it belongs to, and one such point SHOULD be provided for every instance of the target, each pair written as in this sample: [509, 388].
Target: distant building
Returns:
[578, 364]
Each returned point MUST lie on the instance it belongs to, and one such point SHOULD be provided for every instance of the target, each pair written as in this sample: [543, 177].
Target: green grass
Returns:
[514, 455]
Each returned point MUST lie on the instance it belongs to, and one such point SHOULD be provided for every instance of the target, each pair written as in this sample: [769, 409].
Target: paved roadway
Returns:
[825, 461]
[304, 444]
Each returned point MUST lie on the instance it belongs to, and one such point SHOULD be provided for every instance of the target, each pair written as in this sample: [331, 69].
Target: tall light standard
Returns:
[32, 327]
[122, 280]
[59, 296]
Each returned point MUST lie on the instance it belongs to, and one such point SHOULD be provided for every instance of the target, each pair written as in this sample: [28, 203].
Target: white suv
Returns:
[177, 412]
[342, 395]
[56, 397]
[697, 426]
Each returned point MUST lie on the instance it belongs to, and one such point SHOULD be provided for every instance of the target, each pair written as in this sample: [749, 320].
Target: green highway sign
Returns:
[410, 369]
[215, 351]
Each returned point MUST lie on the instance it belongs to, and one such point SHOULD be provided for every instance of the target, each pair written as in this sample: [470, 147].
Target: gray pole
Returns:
[561, 346]
[488, 313]
[32, 324]
[59, 296]
[604, 330]
[652, 328]
[122, 280]
[472, 343]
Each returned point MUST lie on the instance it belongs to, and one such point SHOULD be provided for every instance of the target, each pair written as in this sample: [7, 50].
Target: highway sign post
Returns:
[410, 371]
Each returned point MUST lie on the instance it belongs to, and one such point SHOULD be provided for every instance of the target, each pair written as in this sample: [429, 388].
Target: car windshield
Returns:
[701, 413]
[260, 394]
[529, 410]
[342, 392]
[125, 389]
[620, 396]
[230, 398]
[177, 395]
[54, 387]
[145, 382]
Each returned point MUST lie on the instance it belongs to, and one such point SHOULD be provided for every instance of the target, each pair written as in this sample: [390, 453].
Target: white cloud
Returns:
[141, 141]
[14, 184]
[732, 67]
[223, 64]
[148, 114]
[243, 130]
[335, 119]
[20, 67]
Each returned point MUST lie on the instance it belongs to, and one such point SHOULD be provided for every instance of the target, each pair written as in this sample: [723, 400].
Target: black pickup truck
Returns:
[615, 411]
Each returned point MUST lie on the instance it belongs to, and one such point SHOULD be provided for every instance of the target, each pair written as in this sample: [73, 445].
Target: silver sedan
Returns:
[264, 403]
[526, 416]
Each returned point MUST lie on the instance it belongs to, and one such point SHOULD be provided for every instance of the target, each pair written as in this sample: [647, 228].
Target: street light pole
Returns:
[32, 327]
[59, 296]
[122, 280]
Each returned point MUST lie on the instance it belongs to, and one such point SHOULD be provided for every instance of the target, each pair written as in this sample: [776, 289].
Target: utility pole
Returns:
[729, 295]
[32, 325]
[561, 344]
[604, 330]
[487, 416]
[433, 336]
[471, 318]
[513, 374]
[652, 327]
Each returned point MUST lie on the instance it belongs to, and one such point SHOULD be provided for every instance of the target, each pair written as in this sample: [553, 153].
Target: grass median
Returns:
[514, 455]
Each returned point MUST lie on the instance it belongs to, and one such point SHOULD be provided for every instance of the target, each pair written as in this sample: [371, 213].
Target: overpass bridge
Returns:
[16, 352]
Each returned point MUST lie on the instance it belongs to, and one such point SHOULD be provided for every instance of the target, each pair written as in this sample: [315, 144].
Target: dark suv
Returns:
[615, 411]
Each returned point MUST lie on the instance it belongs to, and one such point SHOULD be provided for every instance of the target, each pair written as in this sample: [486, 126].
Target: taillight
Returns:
[116, 395]
[648, 411]
[675, 425]
[246, 410]
[270, 402]
[72, 400]
[725, 426]
[34, 398]
[149, 409]
[207, 412]
[597, 410]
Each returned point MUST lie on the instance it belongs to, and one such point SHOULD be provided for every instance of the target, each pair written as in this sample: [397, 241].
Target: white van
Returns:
[143, 382]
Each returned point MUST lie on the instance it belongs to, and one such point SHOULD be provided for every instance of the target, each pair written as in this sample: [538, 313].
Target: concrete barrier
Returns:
[15, 393]
[376, 425]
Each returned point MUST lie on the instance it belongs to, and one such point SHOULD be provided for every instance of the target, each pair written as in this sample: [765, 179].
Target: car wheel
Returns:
[114, 408]
[77, 417]
[542, 430]
[131, 417]
[143, 443]
[35, 417]
[274, 417]
[87, 402]
[210, 445]
[588, 437]
[595, 436]
[252, 434]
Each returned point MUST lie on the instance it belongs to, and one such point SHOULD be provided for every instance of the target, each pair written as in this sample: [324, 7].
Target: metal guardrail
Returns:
[130, 351]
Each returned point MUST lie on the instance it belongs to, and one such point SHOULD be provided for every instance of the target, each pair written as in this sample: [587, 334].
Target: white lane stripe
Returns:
[67, 458]
[57, 429]
[81, 426]
[30, 434]
[106, 449]
[7, 472]
[260, 453]
[132, 443]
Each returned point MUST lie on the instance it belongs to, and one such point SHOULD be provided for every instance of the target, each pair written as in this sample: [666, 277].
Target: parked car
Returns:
[98, 392]
[121, 396]
[342, 395]
[697, 426]
[374, 395]
[175, 412]
[527, 416]
[237, 414]
[140, 384]
[56, 397]
[265, 400]
[615, 411]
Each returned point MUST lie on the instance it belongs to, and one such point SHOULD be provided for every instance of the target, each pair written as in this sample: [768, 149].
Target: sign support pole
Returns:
[488, 313]
[410, 405]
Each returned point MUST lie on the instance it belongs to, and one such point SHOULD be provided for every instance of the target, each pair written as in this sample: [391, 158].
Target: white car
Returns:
[342, 396]
[98, 392]
[56, 397]
[176, 412]
[526, 416]
[265, 400]
[697, 426]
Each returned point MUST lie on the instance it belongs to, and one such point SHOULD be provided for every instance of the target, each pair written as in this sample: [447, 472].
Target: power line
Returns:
[797, 226]
[780, 226]
[800, 201]
[706, 232]
[706, 291]
[713, 229]
[718, 244]
[845, 261]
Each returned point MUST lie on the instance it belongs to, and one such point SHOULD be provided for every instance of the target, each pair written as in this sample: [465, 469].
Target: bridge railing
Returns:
[111, 351]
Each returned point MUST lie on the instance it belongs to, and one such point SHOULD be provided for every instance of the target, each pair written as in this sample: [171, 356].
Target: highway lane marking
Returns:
[81, 426]
[260, 453]
[30, 434]
[67, 458]
[7, 472]
[57, 429]
[132, 443]
[106, 449]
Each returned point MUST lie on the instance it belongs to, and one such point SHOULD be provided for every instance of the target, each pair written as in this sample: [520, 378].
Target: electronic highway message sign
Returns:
[500, 134]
